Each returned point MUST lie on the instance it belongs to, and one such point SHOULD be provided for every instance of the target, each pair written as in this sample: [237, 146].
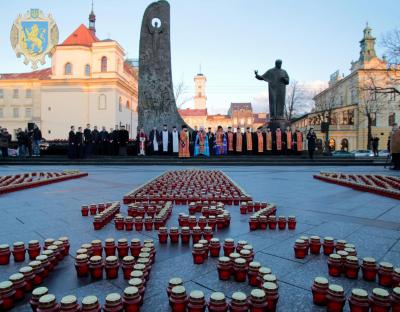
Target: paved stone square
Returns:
[369, 221]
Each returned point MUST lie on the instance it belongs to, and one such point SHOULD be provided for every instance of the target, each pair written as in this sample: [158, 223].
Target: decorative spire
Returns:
[367, 45]
[92, 21]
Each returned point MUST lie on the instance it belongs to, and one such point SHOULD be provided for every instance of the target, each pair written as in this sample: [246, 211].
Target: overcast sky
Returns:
[229, 38]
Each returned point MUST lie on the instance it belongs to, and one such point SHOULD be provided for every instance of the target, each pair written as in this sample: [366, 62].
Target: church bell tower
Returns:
[92, 21]
[367, 45]
[200, 98]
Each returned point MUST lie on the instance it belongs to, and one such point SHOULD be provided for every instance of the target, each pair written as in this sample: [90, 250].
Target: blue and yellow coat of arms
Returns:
[34, 36]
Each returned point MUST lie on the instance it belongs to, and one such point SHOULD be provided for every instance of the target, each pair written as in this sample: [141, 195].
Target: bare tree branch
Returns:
[391, 42]
[180, 91]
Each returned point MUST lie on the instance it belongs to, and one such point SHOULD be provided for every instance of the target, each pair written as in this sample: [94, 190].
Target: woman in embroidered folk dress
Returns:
[201, 144]
[184, 143]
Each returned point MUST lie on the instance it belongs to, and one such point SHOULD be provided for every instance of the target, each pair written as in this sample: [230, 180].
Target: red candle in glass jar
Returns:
[243, 208]
[240, 245]
[96, 267]
[119, 222]
[196, 234]
[239, 302]
[351, 267]
[358, 301]
[319, 290]
[19, 284]
[36, 294]
[33, 249]
[212, 222]
[138, 283]
[174, 235]
[129, 222]
[369, 269]
[271, 292]
[123, 248]
[90, 304]
[291, 222]
[253, 223]
[335, 265]
[217, 303]
[258, 301]
[385, 272]
[29, 277]
[196, 302]
[112, 267]
[335, 298]
[109, 247]
[282, 222]
[240, 269]
[272, 222]
[19, 251]
[148, 223]
[85, 210]
[192, 222]
[379, 300]
[163, 235]
[328, 245]
[229, 246]
[300, 249]
[48, 303]
[261, 273]
[395, 299]
[82, 265]
[224, 267]
[263, 222]
[208, 233]
[127, 266]
[98, 222]
[4, 254]
[206, 247]
[250, 207]
[340, 244]
[45, 265]
[113, 303]
[176, 281]
[69, 304]
[131, 299]
[135, 247]
[97, 248]
[185, 235]
[315, 245]
[38, 271]
[396, 277]
[252, 273]
[198, 254]
[139, 224]
[93, 209]
[178, 299]
[220, 221]
[215, 247]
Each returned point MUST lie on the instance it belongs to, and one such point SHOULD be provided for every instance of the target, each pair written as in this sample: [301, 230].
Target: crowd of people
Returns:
[28, 141]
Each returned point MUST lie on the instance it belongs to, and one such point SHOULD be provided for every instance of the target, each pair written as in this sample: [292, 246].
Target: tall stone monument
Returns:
[156, 97]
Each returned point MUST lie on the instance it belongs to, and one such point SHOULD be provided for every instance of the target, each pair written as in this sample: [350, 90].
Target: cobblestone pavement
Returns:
[369, 221]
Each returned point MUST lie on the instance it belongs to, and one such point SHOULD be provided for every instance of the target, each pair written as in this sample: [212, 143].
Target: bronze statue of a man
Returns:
[277, 79]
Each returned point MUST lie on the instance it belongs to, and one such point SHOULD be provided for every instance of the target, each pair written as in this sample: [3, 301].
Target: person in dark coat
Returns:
[21, 142]
[87, 140]
[123, 140]
[193, 140]
[211, 140]
[114, 140]
[4, 142]
[375, 145]
[103, 141]
[95, 141]
[154, 141]
[36, 139]
[311, 139]
[71, 143]
[79, 143]
[28, 141]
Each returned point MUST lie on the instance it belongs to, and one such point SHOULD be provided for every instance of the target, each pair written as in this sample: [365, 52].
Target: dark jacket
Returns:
[71, 137]
[78, 138]
[312, 139]
[123, 137]
[87, 134]
[37, 134]
[103, 136]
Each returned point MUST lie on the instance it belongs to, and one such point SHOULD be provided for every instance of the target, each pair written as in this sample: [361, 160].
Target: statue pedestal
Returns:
[278, 122]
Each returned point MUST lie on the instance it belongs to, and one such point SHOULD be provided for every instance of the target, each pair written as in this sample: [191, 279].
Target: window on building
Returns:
[351, 117]
[87, 70]
[15, 93]
[1, 112]
[28, 93]
[392, 119]
[120, 104]
[103, 64]
[373, 119]
[102, 102]
[1, 93]
[127, 104]
[28, 112]
[68, 69]
[15, 112]
[392, 96]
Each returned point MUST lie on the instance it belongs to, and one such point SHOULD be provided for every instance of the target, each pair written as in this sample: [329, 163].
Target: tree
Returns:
[294, 97]
[326, 108]
[391, 42]
[180, 92]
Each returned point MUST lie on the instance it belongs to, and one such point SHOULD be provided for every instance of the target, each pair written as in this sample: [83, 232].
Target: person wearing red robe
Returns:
[268, 141]
[288, 141]
[248, 142]
[184, 143]
[230, 138]
[260, 139]
[238, 139]
[278, 141]
[141, 141]
[298, 142]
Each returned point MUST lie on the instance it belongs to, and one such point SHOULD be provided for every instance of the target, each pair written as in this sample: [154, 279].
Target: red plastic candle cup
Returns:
[174, 235]
[61, 250]
[229, 246]
[176, 281]
[239, 302]
[198, 254]
[240, 269]
[243, 208]
[253, 223]
[261, 273]
[335, 265]
[212, 222]
[90, 304]
[192, 209]
[250, 207]
[48, 303]
[45, 265]
[328, 245]
[335, 298]
[252, 273]
[240, 245]
[205, 247]
[396, 277]
[37, 270]
[178, 299]
[319, 290]
[36, 294]
[123, 248]
[138, 283]
[128, 263]
[351, 267]
[19, 284]
[129, 222]
[258, 301]
[101, 207]
[131, 299]
[271, 292]
[19, 251]
[396, 299]
[51, 258]
[163, 235]
[379, 300]
[119, 222]
[4, 254]
[98, 222]
[138, 274]
[96, 267]
[358, 301]
[246, 255]
[139, 224]
[85, 210]
[33, 249]
[48, 242]
[69, 304]
[29, 277]
[113, 303]
[340, 244]
[300, 249]
[109, 247]
[93, 209]
[88, 248]
[272, 222]
[196, 302]
[315, 245]
[369, 269]
[224, 267]
[82, 265]
[291, 222]
[135, 247]
[112, 267]
[208, 233]
[97, 248]
[192, 222]
[148, 223]
[66, 244]
[217, 302]
[196, 234]
[385, 272]
[263, 222]
[282, 222]
[215, 247]
[220, 221]
[185, 234]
